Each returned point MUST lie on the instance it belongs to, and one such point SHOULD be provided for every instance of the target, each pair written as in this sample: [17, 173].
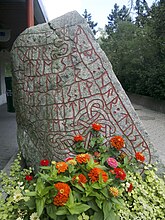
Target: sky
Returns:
[99, 9]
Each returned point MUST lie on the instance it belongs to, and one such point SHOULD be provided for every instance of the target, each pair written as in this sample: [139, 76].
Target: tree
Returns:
[137, 52]
[91, 23]
[142, 10]
[115, 17]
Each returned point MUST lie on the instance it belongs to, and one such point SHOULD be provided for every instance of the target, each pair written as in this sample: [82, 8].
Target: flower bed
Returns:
[98, 183]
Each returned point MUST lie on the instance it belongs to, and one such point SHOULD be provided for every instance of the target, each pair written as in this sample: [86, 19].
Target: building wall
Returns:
[4, 61]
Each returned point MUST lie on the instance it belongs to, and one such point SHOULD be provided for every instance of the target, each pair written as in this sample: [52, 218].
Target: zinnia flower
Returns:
[97, 154]
[62, 195]
[112, 162]
[81, 178]
[61, 167]
[82, 158]
[96, 126]
[95, 173]
[28, 177]
[117, 142]
[78, 138]
[139, 156]
[114, 191]
[120, 173]
[44, 162]
[71, 160]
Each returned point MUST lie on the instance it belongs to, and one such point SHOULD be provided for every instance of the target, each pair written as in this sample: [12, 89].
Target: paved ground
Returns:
[154, 122]
[8, 143]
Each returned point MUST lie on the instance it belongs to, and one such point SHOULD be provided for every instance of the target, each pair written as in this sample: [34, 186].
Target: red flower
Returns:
[28, 177]
[117, 142]
[95, 173]
[130, 188]
[78, 138]
[139, 156]
[120, 173]
[44, 162]
[96, 126]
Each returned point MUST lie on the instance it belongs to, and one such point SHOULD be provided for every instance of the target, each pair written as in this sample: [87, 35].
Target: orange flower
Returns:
[139, 156]
[112, 171]
[61, 167]
[78, 138]
[95, 173]
[117, 142]
[82, 158]
[114, 191]
[62, 195]
[80, 179]
[96, 126]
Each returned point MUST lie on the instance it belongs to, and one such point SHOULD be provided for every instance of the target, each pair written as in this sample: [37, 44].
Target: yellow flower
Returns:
[114, 191]
[72, 162]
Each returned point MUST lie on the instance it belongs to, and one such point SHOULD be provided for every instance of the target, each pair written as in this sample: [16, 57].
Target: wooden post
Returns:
[30, 13]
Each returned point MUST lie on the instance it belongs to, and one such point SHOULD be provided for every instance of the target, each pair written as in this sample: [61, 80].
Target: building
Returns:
[15, 17]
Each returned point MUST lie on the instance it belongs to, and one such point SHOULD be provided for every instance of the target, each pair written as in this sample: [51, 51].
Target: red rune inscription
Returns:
[62, 88]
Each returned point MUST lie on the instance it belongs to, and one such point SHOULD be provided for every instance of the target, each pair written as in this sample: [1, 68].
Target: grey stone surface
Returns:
[63, 82]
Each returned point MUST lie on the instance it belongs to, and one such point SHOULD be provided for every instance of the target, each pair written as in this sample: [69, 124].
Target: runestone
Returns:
[63, 82]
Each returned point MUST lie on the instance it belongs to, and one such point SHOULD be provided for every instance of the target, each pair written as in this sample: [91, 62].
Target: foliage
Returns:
[137, 51]
[115, 17]
[91, 23]
[98, 182]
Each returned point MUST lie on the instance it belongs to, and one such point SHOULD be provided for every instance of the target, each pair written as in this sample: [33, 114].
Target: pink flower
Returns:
[112, 162]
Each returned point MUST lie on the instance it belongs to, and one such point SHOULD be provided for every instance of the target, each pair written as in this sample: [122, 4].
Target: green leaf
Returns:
[51, 211]
[46, 190]
[45, 167]
[105, 192]
[79, 187]
[78, 208]
[40, 205]
[126, 160]
[62, 211]
[45, 176]
[99, 203]
[63, 179]
[93, 205]
[96, 186]
[70, 201]
[72, 217]
[31, 203]
[98, 216]
[30, 193]
[117, 201]
[39, 186]
[107, 206]
[92, 142]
